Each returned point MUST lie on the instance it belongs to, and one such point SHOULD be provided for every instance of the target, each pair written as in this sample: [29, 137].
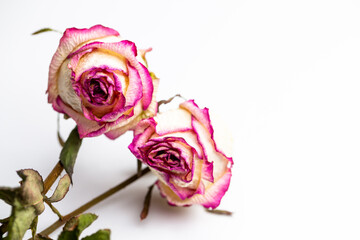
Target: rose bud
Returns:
[180, 147]
[96, 78]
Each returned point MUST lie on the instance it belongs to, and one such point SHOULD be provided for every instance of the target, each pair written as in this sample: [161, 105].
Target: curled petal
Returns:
[142, 133]
[147, 85]
[85, 126]
[71, 39]
[142, 53]
[124, 123]
[134, 89]
[177, 120]
[211, 155]
[131, 124]
[210, 199]
[128, 50]
[202, 115]
[208, 170]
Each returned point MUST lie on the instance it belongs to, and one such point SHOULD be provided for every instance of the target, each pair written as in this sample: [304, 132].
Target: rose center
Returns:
[167, 159]
[170, 158]
[97, 90]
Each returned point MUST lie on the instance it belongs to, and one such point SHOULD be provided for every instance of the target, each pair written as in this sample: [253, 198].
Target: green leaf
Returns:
[61, 189]
[8, 194]
[20, 220]
[66, 235]
[31, 186]
[31, 189]
[69, 152]
[83, 221]
[74, 227]
[99, 235]
[44, 30]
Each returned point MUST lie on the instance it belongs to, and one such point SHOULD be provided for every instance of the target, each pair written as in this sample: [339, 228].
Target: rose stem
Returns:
[93, 202]
[51, 178]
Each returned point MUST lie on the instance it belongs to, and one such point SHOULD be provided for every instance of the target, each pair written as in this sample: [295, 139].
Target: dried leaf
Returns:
[39, 207]
[74, 227]
[20, 220]
[153, 76]
[99, 235]
[147, 201]
[69, 152]
[161, 102]
[3, 227]
[44, 30]
[33, 227]
[60, 140]
[61, 189]
[31, 189]
[5, 220]
[218, 211]
[42, 237]
[27, 203]
[8, 194]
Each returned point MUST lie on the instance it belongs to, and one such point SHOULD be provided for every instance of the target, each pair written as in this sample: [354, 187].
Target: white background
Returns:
[283, 74]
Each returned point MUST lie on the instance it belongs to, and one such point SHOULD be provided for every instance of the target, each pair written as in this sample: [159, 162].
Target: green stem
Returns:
[93, 202]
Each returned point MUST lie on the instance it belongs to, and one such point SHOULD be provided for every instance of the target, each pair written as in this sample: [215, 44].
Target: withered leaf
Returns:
[70, 151]
[61, 189]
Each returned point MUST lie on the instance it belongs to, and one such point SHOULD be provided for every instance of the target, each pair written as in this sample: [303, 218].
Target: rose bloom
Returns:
[97, 78]
[180, 147]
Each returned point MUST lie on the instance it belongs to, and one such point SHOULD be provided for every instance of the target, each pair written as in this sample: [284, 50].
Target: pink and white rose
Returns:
[97, 78]
[180, 147]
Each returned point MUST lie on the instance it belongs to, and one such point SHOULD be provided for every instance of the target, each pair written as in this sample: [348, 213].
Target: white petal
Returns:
[66, 91]
[173, 121]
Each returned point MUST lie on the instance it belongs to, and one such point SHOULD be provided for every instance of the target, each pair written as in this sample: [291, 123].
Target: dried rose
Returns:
[180, 147]
[96, 78]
